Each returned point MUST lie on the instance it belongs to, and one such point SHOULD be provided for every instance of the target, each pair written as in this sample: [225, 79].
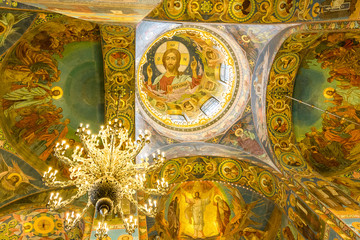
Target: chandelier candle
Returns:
[106, 169]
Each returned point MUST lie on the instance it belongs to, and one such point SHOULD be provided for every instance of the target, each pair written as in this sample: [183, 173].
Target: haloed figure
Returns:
[165, 82]
[195, 213]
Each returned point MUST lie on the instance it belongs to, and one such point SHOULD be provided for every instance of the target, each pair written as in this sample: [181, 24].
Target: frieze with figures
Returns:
[254, 11]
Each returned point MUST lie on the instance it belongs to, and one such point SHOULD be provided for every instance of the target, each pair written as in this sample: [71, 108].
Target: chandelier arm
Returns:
[155, 191]
[84, 182]
[86, 144]
[158, 161]
[103, 136]
[142, 166]
[123, 165]
[122, 160]
[119, 209]
[49, 179]
[153, 167]
[63, 158]
[145, 166]
[135, 184]
[90, 142]
[73, 163]
[70, 223]
[129, 224]
[92, 167]
[80, 192]
[59, 184]
[56, 202]
[135, 177]
[138, 148]
[112, 146]
[78, 158]
[131, 199]
[95, 154]
[81, 173]
[149, 211]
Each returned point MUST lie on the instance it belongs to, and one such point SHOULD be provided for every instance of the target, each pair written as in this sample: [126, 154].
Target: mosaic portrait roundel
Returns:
[188, 79]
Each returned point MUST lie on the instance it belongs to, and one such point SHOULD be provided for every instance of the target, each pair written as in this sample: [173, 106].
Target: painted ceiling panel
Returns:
[210, 83]
[325, 60]
[131, 11]
[315, 129]
[47, 73]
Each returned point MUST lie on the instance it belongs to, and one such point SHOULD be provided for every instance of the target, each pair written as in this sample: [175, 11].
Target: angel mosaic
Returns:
[13, 181]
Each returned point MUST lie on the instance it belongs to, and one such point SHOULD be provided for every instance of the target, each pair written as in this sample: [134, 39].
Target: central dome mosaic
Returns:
[189, 79]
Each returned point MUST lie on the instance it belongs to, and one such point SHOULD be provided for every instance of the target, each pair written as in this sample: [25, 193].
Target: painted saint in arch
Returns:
[195, 213]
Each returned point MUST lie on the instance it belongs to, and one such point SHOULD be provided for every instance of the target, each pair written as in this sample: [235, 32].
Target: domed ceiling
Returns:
[210, 81]
[259, 122]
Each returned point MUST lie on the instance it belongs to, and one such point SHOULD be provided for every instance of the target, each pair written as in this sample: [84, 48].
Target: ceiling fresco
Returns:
[37, 224]
[242, 134]
[317, 57]
[258, 88]
[259, 122]
[251, 39]
[329, 142]
[42, 77]
[196, 81]
[16, 5]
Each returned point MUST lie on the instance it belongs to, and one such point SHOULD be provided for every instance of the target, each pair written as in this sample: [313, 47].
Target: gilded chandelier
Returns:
[106, 169]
